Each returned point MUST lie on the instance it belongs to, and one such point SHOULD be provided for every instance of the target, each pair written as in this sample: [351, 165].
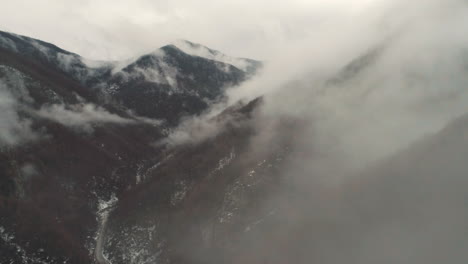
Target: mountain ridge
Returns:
[168, 77]
[67, 143]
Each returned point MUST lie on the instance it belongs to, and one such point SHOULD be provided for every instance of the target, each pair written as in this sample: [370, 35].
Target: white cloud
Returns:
[414, 88]
[81, 116]
[14, 129]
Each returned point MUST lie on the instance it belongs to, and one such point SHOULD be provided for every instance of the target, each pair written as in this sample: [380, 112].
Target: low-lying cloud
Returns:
[374, 179]
[407, 78]
[81, 116]
[14, 129]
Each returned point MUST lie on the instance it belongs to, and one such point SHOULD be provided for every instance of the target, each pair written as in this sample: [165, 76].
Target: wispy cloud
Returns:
[14, 128]
[81, 116]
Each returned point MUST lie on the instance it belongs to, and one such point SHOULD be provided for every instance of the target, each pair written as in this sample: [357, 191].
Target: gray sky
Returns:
[117, 29]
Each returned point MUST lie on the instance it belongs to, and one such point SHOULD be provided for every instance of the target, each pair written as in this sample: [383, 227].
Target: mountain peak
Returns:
[193, 47]
[199, 50]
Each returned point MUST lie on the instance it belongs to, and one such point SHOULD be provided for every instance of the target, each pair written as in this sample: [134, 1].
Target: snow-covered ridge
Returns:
[69, 61]
[195, 49]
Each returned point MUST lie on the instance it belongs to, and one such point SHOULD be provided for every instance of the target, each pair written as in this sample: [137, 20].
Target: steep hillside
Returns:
[76, 134]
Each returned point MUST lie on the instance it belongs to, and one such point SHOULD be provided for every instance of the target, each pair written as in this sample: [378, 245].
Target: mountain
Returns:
[169, 83]
[110, 162]
[77, 134]
[165, 84]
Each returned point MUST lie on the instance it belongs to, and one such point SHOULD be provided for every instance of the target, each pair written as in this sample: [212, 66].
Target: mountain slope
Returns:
[74, 135]
[165, 84]
[169, 83]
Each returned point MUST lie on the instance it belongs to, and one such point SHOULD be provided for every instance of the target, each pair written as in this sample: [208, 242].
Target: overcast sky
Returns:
[117, 29]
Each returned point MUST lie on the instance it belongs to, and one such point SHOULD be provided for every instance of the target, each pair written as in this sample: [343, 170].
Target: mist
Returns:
[371, 82]
[82, 117]
[375, 169]
[14, 128]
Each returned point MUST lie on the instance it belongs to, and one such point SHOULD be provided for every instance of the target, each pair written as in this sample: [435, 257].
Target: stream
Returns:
[105, 208]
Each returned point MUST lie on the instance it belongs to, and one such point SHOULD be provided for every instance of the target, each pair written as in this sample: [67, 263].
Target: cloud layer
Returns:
[120, 29]
[375, 85]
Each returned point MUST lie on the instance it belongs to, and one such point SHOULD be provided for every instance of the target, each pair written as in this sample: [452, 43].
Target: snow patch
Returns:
[225, 161]
[179, 195]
